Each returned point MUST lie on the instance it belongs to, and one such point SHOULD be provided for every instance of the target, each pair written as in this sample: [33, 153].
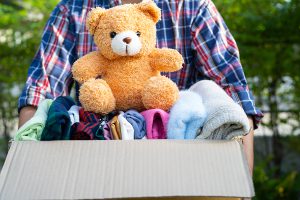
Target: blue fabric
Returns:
[138, 123]
[187, 116]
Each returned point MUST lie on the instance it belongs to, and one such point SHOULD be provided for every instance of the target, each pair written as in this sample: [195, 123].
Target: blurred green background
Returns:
[268, 36]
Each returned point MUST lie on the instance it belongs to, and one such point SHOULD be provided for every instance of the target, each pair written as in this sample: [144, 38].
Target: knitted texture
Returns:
[225, 118]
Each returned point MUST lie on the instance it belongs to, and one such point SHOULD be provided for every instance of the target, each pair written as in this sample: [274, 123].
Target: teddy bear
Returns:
[124, 73]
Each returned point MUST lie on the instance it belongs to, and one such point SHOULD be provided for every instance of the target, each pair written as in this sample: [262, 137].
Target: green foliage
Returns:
[21, 26]
[269, 188]
[267, 184]
[268, 35]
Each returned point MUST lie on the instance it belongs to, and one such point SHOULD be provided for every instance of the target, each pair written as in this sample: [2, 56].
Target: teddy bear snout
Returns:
[126, 43]
[127, 40]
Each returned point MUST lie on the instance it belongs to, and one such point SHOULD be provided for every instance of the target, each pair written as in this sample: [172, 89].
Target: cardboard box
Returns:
[177, 169]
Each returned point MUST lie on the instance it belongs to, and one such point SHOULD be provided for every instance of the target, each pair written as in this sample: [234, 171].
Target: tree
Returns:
[21, 26]
[268, 35]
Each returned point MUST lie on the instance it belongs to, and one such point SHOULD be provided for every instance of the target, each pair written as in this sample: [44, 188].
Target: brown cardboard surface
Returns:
[125, 169]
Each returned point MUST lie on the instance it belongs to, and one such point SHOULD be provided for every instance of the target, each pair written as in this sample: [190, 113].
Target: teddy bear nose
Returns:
[127, 40]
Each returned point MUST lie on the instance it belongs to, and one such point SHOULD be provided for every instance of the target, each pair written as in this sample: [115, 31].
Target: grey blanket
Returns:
[225, 118]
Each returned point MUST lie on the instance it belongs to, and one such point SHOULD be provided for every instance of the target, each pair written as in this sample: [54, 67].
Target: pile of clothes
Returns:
[204, 111]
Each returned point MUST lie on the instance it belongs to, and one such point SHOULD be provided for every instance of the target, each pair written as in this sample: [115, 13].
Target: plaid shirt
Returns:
[193, 27]
[91, 126]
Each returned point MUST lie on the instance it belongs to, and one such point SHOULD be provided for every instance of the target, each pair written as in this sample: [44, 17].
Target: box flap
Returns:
[124, 169]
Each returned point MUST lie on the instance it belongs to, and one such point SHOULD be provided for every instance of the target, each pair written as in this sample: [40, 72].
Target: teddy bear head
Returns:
[126, 30]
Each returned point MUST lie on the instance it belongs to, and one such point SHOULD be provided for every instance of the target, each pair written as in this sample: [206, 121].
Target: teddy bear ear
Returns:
[93, 19]
[150, 9]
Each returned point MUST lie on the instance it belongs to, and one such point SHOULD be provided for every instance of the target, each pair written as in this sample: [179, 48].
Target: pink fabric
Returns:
[106, 132]
[156, 123]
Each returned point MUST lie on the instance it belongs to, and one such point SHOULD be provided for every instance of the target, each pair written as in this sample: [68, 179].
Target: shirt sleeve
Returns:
[49, 74]
[217, 57]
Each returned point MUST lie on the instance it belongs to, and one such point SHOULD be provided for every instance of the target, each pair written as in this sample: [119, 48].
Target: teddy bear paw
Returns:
[96, 96]
[159, 92]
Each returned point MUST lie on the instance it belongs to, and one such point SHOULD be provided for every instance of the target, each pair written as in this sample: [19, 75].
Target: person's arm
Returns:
[49, 74]
[248, 143]
[26, 113]
[217, 57]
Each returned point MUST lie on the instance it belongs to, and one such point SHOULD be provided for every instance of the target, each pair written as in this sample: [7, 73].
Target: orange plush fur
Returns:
[125, 72]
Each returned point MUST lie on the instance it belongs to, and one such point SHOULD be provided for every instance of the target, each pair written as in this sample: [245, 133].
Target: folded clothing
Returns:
[90, 126]
[138, 123]
[58, 124]
[225, 118]
[106, 132]
[127, 130]
[74, 114]
[187, 116]
[156, 123]
[33, 128]
[115, 128]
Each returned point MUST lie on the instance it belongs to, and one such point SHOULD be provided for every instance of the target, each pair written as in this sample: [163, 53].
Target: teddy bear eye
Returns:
[138, 33]
[113, 34]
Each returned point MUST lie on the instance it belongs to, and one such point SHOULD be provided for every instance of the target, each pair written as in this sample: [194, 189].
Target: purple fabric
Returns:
[106, 132]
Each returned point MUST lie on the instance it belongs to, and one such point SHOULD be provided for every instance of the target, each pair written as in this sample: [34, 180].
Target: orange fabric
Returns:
[115, 128]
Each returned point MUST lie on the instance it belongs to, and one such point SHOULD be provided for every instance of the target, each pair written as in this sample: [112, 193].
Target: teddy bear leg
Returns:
[96, 96]
[159, 92]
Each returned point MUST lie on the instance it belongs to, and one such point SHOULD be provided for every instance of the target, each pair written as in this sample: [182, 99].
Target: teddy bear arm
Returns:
[88, 66]
[166, 60]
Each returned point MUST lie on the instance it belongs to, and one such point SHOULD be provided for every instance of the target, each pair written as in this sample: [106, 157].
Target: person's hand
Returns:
[26, 114]
[248, 143]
